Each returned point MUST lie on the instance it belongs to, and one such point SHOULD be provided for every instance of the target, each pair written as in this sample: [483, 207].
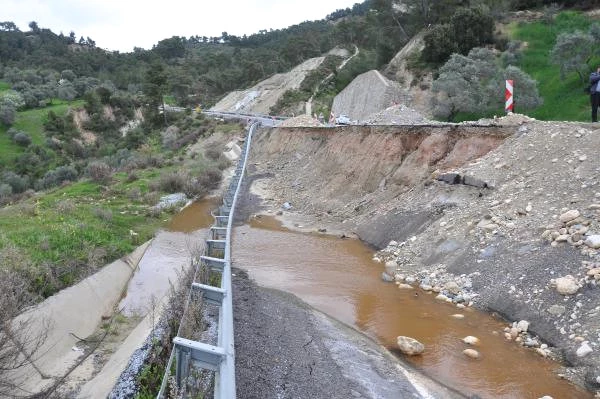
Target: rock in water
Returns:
[567, 285]
[410, 346]
[472, 353]
[471, 340]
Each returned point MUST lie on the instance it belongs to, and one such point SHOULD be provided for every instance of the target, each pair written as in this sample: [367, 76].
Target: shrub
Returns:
[65, 206]
[212, 153]
[57, 176]
[103, 214]
[99, 172]
[22, 139]
[172, 182]
[17, 183]
[5, 191]
[135, 194]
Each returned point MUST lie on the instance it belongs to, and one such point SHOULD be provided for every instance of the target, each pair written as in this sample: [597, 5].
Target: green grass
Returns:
[563, 99]
[64, 226]
[31, 122]
[4, 86]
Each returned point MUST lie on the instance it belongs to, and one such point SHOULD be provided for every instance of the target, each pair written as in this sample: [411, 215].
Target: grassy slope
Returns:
[563, 99]
[31, 122]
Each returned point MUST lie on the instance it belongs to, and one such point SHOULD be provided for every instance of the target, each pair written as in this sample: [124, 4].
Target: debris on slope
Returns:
[396, 115]
[368, 93]
[260, 98]
[301, 121]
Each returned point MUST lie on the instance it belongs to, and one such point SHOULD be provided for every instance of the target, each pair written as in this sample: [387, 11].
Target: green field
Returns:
[31, 122]
[66, 228]
[563, 99]
[4, 86]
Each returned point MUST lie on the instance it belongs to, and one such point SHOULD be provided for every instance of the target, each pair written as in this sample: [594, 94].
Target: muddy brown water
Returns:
[195, 216]
[338, 277]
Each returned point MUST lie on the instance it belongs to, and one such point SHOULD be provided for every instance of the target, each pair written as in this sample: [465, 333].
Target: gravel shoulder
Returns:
[285, 349]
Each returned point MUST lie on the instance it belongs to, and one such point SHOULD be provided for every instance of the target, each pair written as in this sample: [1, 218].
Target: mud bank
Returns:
[381, 184]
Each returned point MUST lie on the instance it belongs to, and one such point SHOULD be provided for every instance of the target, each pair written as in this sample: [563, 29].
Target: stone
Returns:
[546, 397]
[566, 285]
[458, 316]
[523, 326]
[557, 310]
[426, 287]
[514, 332]
[593, 241]
[452, 287]
[569, 215]
[592, 378]
[508, 336]
[471, 340]
[442, 297]
[405, 286]
[593, 272]
[391, 264]
[386, 277]
[410, 346]
[562, 238]
[584, 349]
[472, 353]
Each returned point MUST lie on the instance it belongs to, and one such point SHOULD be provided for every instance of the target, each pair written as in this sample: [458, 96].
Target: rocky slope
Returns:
[496, 216]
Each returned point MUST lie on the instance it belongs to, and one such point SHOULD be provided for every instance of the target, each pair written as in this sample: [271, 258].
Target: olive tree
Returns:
[572, 52]
[475, 83]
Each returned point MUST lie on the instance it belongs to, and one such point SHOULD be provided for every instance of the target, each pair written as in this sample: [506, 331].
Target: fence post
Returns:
[510, 105]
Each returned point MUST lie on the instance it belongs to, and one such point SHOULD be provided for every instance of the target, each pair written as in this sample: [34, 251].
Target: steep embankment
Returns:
[501, 239]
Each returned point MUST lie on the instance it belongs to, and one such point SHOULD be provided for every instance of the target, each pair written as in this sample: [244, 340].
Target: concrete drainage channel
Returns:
[189, 355]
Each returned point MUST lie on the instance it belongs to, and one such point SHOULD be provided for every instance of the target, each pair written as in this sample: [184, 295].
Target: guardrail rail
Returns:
[219, 358]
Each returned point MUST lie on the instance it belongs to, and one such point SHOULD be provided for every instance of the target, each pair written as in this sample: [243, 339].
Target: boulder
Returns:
[569, 215]
[471, 340]
[584, 350]
[452, 287]
[593, 241]
[472, 353]
[567, 285]
[410, 346]
[523, 326]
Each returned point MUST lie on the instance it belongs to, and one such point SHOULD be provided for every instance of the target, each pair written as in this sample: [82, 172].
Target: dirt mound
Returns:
[368, 93]
[301, 121]
[396, 115]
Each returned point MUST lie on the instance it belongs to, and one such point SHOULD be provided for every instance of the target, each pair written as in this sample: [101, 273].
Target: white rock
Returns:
[441, 297]
[593, 241]
[391, 264]
[393, 243]
[452, 287]
[405, 286]
[546, 397]
[569, 215]
[523, 326]
[584, 350]
[458, 316]
[472, 353]
[566, 285]
[410, 346]
[471, 340]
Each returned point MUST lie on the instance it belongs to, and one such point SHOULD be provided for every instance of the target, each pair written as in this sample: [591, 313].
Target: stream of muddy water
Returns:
[338, 277]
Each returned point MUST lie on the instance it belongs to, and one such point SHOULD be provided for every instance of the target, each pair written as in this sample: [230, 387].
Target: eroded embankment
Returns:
[484, 246]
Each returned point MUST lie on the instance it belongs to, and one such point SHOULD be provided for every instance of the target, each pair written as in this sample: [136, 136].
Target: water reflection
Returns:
[338, 277]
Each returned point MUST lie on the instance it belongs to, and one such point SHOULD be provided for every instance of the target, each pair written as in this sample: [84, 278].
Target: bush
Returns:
[18, 184]
[99, 172]
[8, 114]
[5, 191]
[172, 182]
[57, 176]
[212, 153]
[22, 139]
[103, 214]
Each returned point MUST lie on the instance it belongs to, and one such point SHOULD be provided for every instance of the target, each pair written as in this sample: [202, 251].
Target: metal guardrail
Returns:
[219, 358]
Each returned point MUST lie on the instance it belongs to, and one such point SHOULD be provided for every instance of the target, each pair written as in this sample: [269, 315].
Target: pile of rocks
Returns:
[450, 288]
[575, 230]
[301, 121]
[518, 332]
[396, 115]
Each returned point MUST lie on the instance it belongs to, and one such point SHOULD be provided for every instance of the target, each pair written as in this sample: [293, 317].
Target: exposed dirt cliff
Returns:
[505, 212]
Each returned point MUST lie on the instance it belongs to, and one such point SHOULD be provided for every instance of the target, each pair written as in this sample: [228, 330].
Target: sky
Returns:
[124, 24]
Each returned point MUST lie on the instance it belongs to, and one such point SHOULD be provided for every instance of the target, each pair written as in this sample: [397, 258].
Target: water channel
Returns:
[338, 277]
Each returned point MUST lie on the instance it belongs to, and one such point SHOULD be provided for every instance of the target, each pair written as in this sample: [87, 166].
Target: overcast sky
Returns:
[125, 24]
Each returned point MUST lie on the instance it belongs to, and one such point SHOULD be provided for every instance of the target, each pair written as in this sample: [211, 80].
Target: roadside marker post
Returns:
[510, 105]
